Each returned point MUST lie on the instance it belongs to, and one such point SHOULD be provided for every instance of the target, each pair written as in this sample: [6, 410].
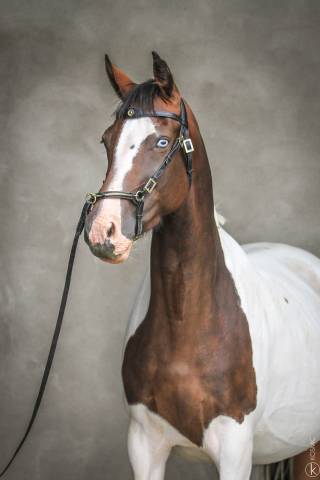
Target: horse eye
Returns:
[162, 143]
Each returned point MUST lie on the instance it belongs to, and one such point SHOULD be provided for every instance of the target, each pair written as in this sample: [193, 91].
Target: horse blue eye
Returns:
[162, 143]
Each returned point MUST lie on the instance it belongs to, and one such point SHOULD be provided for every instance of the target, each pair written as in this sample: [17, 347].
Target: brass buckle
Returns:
[150, 185]
[91, 198]
[188, 145]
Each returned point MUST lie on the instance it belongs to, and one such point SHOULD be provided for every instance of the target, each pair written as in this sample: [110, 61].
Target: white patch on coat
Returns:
[277, 287]
[150, 440]
[218, 218]
[229, 444]
[134, 132]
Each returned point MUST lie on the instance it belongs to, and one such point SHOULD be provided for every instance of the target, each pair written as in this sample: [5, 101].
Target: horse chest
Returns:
[187, 384]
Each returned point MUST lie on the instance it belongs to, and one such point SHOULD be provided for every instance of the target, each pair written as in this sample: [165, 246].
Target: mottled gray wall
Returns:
[250, 69]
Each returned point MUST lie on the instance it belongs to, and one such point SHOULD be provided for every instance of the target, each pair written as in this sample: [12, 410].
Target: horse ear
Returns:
[121, 83]
[163, 75]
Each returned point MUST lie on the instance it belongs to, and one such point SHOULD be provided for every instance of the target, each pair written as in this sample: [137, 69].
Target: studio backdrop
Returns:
[250, 70]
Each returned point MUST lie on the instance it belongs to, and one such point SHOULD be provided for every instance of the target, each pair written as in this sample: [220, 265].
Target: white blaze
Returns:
[134, 133]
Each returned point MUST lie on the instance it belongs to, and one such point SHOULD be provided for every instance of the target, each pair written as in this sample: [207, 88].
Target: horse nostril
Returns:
[110, 229]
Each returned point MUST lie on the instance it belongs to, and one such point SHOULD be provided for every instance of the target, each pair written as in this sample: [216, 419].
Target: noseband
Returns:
[183, 141]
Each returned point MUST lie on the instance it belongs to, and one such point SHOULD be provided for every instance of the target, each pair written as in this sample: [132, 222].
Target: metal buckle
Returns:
[150, 185]
[139, 196]
[91, 198]
[188, 145]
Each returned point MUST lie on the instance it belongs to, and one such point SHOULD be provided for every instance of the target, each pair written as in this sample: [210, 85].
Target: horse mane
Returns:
[141, 96]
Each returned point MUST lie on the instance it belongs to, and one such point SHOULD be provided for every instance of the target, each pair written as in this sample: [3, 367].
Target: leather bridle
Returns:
[183, 141]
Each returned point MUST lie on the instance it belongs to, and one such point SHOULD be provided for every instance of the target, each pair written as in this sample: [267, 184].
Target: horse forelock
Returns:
[149, 97]
[142, 96]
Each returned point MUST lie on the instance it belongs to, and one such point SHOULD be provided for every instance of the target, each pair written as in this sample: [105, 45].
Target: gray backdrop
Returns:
[250, 69]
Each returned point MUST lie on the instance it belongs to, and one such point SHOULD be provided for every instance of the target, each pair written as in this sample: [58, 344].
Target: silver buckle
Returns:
[188, 145]
[149, 186]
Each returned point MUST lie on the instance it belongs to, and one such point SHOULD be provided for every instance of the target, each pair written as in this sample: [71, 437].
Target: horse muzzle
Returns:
[105, 239]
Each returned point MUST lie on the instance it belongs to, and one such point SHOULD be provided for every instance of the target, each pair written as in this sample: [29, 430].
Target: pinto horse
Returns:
[222, 353]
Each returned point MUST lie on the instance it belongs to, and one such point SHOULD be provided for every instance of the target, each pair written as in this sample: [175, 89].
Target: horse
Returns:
[222, 354]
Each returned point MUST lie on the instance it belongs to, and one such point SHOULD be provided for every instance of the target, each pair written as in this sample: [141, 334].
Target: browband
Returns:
[139, 113]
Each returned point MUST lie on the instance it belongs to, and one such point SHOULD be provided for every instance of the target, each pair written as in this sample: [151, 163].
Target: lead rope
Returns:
[56, 334]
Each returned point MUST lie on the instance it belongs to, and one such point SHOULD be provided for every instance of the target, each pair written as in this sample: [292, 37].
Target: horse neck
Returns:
[186, 251]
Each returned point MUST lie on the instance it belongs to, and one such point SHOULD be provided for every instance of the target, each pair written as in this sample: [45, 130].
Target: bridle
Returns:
[183, 141]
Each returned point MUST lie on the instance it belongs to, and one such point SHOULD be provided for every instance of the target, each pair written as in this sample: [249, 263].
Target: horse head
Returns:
[149, 130]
